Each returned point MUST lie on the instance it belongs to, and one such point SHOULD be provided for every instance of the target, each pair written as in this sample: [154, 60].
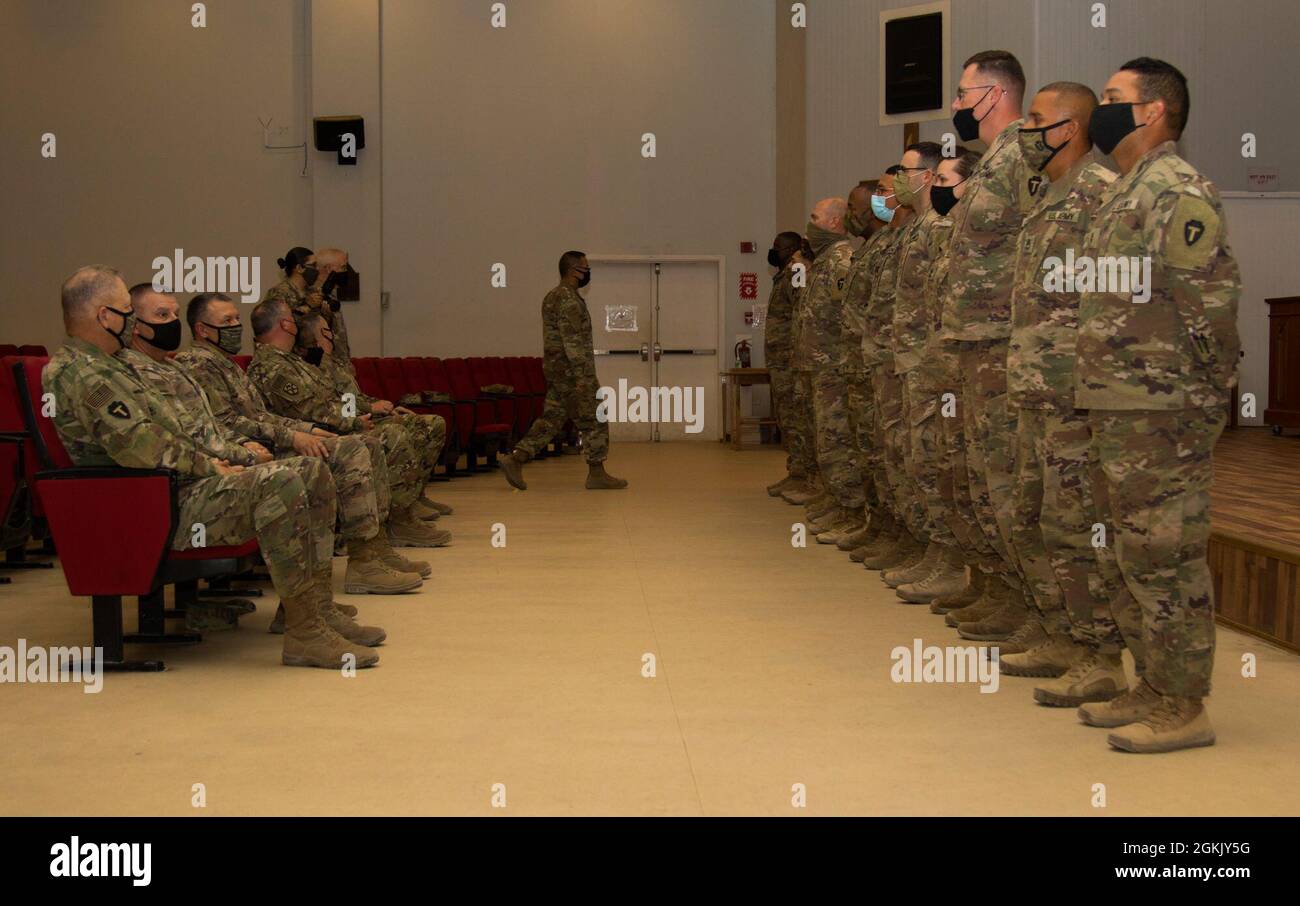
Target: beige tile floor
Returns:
[522, 666]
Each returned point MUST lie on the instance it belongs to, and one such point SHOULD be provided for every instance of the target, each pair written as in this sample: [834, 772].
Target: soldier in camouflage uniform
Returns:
[427, 433]
[777, 341]
[864, 267]
[104, 416]
[1071, 634]
[820, 335]
[977, 316]
[356, 462]
[294, 388]
[334, 266]
[572, 388]
[895, 545]
[302, 290]
[801, 400]
[1155, 373]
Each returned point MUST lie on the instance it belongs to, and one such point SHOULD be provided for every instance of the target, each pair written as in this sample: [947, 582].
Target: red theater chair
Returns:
[461, 425]
[484, 372]
[24, 504]
[28, 349]
[416, 375]
[488, 435]
[368, 377]
[8, 349]
[113, 529]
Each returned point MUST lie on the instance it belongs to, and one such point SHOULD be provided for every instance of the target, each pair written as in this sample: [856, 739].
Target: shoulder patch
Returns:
[286, 385]
[118, 409]
[99, 396]
[1191, 236]
[1035, 183]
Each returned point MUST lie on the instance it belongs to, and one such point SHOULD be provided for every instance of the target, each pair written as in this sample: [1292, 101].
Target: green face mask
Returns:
[903, 190]
[855, 223]
[821, 239]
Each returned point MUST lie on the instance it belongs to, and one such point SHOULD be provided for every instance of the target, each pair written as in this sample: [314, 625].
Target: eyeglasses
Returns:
[961, 92]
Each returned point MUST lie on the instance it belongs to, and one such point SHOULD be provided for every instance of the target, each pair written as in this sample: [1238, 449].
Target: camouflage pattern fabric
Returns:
[778, 341]
[821, 333]
[427, 434]
[308, 301]
[105, 416]
[572, 388]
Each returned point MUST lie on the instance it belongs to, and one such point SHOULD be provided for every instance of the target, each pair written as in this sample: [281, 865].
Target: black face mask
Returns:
[229, 338]
[944, 198]
[774, 259]
[342, 286]
[585, 279]
[310, 274]
[315, 355]
[1110, 123]
[968, 127]
[166, 337]
[122, 336]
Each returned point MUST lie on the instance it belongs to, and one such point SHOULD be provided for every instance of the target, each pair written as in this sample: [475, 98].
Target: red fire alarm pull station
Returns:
[749, 286]
[748, 248]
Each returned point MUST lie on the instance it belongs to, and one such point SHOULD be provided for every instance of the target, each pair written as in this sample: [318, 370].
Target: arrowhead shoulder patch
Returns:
[118, 409]
[1191, 237]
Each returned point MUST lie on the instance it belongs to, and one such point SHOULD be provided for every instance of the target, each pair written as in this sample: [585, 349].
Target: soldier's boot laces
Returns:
[445, 509]
[425, 511]
[815, 515]
[396, 562]
[350, 629]
[1030, 635]
[1094, 677]
[1129, 708]
[1047, 656]
[1178, 722]
[512, 467]
[848, 522]
[600, 480]
[948, 577]
[884, 537]
[797, 486]
[310, 642]
[1000, 624]
[404, 530]
[968, 595]
[915, 570]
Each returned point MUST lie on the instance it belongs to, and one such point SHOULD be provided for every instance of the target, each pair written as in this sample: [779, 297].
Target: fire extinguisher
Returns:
[742, 354]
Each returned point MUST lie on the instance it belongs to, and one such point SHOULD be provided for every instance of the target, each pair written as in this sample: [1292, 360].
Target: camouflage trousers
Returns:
[390, 442]
[954, 481]
[793, 424]
[1055, 511]
[858, 402]
[925, 462]
[427, 434]
[360, 484]
[288, 505]
[990, 428]
[1157, 470]
[836, 455]
[569, 397]
[801, 413]
[887, 422]
[898, 456]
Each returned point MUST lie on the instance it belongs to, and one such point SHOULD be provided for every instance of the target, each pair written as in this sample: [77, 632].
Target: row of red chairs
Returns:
[25, 349]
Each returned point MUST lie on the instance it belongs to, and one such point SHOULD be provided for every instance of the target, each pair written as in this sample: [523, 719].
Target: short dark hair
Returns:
[1161, 81]
[197, 310]
[890, 171]
[931, 153]
[1003, 66]
[292, 258]
[267, 313]
[86, 285]
[141, 289]
[309, 320]
[966, 161]
[570, 259]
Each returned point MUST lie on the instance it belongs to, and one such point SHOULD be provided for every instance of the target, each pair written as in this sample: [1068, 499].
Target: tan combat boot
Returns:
[368, 574]
[512, 467]
[992, 597]
[999, 625]
[1129, 708]
[396, 562]
[948, 577]
[1051, 656]
[1094, 677]
[797, 486]
[785, 484]
[802, 496]
[885, 537]
[404, 530]
[916, 570]
[1178, 722]
[850, 521]
[905, 551]
[310, 642]
[350, 629]
[964, 598]
[600, 480]
[1030, 635]
[443, 508]
[426, 511]
[818, 511]
[862, 537]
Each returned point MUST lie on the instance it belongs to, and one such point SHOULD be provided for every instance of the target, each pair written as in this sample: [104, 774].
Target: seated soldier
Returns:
[295, 388]
[105, 416]
[427, 433]
[357, 463]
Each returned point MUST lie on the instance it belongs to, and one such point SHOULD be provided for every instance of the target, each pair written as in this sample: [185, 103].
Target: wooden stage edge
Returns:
[1254, 550]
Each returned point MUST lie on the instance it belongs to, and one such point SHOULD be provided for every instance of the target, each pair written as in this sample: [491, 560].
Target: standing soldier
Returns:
[572, 388]
[104, 416]
[776, 354]
[977, 315]
[813, 493]
[1154, 368]
[1069, 634]
[335, 274]
[820, 334]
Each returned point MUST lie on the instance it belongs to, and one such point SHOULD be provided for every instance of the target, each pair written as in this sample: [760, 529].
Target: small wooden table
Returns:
[741, 377]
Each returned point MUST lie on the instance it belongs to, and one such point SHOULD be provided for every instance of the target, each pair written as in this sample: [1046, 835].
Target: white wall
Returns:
[1239, 58]
[513, 145]
[158, 142]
